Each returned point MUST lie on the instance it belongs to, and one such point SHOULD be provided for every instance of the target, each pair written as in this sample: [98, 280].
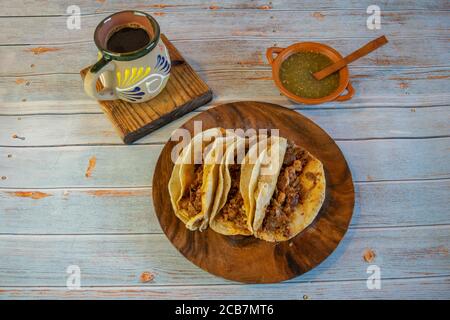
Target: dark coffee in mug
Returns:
[127, 39]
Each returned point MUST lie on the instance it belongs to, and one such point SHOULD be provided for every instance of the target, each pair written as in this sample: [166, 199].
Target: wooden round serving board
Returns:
[247, 259]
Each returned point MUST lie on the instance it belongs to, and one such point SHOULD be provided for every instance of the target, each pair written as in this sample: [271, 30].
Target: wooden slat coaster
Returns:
[184, 92]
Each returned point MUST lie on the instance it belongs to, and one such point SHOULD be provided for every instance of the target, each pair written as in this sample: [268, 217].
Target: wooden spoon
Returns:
[361, 52]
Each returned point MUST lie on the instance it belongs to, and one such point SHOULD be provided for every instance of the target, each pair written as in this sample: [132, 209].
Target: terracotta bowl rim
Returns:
[298, 47]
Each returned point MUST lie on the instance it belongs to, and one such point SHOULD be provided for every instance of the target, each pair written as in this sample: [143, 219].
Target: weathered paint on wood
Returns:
[128, 166]
[435, 288]
[407, 88]
[119, 260]
[29, 8]
[73, 130]
[220, 54]
[130, 210]
[340, 124]
[66, 166]
[77, 211]
[229, 23]
[402, 203]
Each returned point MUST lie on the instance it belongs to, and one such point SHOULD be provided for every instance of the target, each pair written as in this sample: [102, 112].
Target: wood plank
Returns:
[222, 54]
[77, 211]
[407, 88]
[130, 166]
[421, 288]
[32, 8]
[119, 260]
[102, 211]
[397, 159]
[228, 23]
[401, 204]
[340, 124]
[73, 130]
[64, 167]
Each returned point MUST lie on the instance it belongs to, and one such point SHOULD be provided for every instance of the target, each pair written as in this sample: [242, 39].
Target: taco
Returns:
[289, 192]
[193, 182]
[232, 212]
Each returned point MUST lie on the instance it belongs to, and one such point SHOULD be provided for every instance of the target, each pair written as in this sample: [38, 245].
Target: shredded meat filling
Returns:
[192, 198]
[233, 210]
[288, 191]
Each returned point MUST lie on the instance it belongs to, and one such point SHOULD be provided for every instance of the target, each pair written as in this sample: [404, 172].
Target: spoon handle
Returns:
[361, 52]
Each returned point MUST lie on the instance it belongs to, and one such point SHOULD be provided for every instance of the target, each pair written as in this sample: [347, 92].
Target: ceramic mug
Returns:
[135, 76]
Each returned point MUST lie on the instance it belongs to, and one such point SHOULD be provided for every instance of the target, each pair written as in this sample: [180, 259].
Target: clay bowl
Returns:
[283, 53]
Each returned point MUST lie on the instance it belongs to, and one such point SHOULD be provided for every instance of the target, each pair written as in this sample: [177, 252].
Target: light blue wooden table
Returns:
[395, 134]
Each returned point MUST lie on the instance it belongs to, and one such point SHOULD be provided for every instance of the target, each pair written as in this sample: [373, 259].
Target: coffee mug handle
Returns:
[90, 81]
[270, 51]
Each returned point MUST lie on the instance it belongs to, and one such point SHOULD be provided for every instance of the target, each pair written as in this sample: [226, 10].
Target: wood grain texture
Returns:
[369, 160]
[374, 88]
[226, 23]
[345, 124]
[215, 54]
[30, 8]
[184, 92]
[101, 211]
[248, 259]
[112, 260]
[430, 289]
[220, 54]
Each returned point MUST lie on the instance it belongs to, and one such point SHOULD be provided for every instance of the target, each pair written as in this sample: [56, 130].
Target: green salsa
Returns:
[296, 75]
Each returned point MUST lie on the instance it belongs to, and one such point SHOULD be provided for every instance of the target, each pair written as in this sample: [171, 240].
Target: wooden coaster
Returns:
[184, 92]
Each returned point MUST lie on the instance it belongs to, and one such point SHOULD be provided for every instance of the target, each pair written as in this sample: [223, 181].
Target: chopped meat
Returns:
[276, 218]
[295, 182]
[289, 156]
[192, 198]
[298, 165]
[294, 152]
[288, 192]
[283, 181]
[235, 175]
[281, 197]
[233, 210]
[292, 199]
[291, 173]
